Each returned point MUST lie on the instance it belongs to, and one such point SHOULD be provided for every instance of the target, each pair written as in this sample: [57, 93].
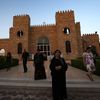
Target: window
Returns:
[19, 48]
[20, 33]
[68, 47]
[43, 45]
[66, 30]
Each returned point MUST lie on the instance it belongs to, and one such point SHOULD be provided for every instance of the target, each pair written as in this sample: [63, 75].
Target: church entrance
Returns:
[43, 45]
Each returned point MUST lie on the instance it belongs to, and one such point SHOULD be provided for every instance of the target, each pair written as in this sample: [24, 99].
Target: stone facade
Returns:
[91, 40]
[65, 35]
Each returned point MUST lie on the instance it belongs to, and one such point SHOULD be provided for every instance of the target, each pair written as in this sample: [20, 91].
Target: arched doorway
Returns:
[19, 49]
[43, 45]
[68, 47]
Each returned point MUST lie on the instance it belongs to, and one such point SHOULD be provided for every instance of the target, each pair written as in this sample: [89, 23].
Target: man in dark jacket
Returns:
[25, 56]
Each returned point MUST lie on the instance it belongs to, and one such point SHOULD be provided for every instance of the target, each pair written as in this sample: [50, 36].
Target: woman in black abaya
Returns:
[58, 68]
[39, 66]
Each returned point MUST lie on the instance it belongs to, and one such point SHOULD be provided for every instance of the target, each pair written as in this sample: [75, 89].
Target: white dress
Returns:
[88, 61]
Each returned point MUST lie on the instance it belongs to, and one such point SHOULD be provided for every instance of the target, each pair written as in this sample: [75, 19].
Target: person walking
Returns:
[39, 66]
[25, 56]
[88, 61]
[8, 60]
[58, 68]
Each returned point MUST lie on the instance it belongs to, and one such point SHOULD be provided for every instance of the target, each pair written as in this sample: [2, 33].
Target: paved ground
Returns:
[44, 93]
[73, 74]
[16, 85]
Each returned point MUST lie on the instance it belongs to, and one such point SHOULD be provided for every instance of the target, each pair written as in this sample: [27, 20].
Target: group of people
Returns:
[58, 68]
[38, 63]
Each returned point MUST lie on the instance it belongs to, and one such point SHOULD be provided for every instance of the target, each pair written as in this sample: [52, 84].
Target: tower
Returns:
[19, 33]
[68, 34]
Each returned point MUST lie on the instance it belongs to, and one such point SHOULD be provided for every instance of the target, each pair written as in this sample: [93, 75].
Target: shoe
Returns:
[90, 77]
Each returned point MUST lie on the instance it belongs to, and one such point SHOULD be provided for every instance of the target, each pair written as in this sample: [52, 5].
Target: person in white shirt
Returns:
[88, 60]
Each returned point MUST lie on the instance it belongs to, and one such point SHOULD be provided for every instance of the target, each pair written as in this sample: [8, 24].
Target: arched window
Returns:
[19, 48]
[43, 45]
[68, 46]
[66, 30]
[20, 33]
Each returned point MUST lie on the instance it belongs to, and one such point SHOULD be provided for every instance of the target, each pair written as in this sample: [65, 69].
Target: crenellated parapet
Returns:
[43, 25]
[46, 28]
[25, 16]
[19, 20]
[65, 16]
[22, 15]
[91, 37]
[91, 34]
[66, 11]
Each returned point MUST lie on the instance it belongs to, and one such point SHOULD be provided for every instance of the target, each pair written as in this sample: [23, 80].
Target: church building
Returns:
[64, 35]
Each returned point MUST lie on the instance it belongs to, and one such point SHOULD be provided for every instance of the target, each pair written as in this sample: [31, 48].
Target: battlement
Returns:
[64, 16]
[91, 34]
[63, 12]
[43, 25]
[21, 20]
[23, 15]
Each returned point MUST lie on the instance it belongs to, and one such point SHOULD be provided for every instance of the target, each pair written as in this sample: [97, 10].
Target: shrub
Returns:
[97, 67]
[78, 63]
[15, 61]
[3, 63]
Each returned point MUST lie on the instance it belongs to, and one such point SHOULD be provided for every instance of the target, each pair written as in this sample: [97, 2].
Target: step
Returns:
[29, 89]
[47, 82]
[45, 93]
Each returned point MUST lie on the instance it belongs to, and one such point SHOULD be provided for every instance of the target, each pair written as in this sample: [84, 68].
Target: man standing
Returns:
[8, 60]
[25, 56]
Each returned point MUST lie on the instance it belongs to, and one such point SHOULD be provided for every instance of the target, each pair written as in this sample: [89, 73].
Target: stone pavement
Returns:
[44, 93]
[16, 85]
[16, 73]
